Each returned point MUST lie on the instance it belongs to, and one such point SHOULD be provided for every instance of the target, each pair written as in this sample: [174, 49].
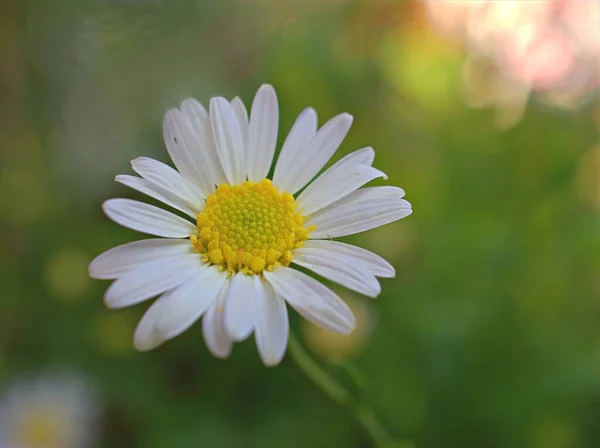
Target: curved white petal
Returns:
[272, 327]
[156, 192]
[363, 156]
[228, 139]
[121, 259]
[361, 210]
[376, 264]
[239, 109]
[200, 123]
[169, 179]
[184, 149]
[336, 183]
[151, 279]
[178, 309]
[240, 305]
[147, 218]
[213, 328]
[303, 129]
[262, 135]
[311, 299]
[309, 159]
[339, 268]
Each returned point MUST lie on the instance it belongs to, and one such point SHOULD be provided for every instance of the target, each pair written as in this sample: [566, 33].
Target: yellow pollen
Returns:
[249, 228]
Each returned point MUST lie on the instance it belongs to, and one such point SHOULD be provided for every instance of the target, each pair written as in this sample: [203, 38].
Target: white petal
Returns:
[228, 140]
[169, 179]
[178, 309]
[309, 159]
[339, 268]
[147, 218]
[272, 327]
[262, 135]
[239, 109]
[336, 183]
[240, 305]
[151, 279]
[158, 193]
[363, 156]
[184, 149]
[121, 259]
[313, 300]
[361, 210]
[376, 264]
[303, 129]
[213, 328]
[202, 130]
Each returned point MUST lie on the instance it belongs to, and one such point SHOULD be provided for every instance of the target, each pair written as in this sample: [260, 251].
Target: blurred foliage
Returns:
[487, 337]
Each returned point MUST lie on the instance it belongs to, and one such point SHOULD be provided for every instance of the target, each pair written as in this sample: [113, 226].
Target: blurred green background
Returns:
[487, 337]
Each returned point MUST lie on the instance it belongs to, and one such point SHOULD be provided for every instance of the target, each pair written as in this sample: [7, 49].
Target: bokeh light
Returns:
[334, 347]
[66, 274]
[548, 47]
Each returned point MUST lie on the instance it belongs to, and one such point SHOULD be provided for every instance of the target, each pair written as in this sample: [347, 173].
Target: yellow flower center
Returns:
[41, 428]
[250, 227]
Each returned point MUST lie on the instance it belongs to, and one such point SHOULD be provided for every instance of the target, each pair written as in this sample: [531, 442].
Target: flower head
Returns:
[52, 411]
[232, 264]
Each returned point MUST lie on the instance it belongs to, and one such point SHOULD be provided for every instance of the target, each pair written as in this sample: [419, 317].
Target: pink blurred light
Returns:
[550, 46]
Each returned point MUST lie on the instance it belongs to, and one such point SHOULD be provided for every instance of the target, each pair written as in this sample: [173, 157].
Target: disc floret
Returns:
[249, 228]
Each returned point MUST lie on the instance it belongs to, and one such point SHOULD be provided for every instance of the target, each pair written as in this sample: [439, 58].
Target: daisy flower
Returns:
[51, 411]
[233, 265]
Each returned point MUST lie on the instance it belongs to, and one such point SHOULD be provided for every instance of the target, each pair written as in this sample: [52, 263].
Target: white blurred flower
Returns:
[50, 411]
[232, 266]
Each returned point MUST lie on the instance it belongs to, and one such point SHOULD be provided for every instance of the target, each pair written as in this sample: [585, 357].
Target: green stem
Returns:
[360, 382]
[369, 420]
[365, 416]
[318, 376]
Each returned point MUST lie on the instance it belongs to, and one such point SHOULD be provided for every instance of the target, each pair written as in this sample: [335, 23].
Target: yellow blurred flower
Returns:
[111, 333]
[588, 177]
[337, 347]
[423, 66]
[23, 184]
[66, 274]
[391, 244]
[554, 433]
